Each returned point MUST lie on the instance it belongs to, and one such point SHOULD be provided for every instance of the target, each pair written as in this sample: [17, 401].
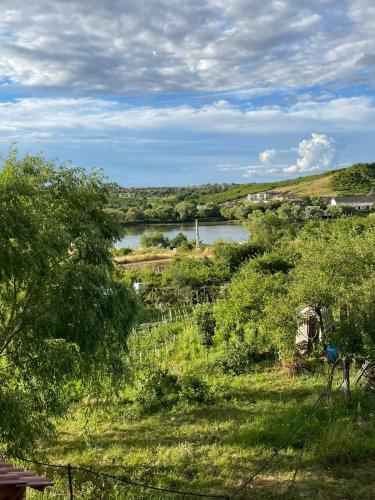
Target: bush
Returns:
[237, 358]
[154, 240]
[179, 240]
[231, 255]
[121, 252]
[194, 389]
[158, 389]
[205, 320]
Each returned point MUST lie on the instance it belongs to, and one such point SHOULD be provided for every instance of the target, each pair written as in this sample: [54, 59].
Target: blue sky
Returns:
[166, 92]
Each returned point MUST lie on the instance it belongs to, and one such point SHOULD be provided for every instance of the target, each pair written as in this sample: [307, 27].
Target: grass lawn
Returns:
[213, 448]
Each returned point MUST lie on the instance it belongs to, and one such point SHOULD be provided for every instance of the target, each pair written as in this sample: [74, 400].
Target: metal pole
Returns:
[70, 482]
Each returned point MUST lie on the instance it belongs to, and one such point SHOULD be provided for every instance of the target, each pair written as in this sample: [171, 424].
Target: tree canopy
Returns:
[64, 312]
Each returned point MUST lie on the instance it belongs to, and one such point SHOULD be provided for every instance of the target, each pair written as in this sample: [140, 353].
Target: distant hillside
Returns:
[354, 180]
[176, 204]
[317, 185]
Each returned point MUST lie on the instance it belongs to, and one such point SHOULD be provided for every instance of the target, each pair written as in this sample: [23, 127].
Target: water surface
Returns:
[208, 232]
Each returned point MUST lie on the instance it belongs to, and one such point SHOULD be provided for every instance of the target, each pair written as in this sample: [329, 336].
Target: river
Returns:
[209, 232]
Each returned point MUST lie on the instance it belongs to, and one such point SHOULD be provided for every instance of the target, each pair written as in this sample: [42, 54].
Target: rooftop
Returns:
[18, 477]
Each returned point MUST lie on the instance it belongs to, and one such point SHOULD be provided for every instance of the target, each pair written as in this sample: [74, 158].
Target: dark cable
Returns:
[277, 451]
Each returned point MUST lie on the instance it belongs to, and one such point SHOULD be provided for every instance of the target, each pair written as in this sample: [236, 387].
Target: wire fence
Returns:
[129, 482]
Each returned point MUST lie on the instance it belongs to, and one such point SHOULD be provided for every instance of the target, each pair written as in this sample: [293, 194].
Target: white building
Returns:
[266, 196]
[357, 202]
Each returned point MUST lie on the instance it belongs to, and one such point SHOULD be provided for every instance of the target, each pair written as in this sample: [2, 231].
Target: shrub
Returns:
[158, 389]
[154, 240]
[179, 240]
[194, 389]
[121, 252]
[237, 358]
[231, 255]
[205, 320]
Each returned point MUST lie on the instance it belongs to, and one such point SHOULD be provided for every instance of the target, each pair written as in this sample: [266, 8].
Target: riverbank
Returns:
[159, 257]
[156, 222]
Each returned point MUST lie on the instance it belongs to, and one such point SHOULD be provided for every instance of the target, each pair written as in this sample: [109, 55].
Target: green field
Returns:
[213, 447]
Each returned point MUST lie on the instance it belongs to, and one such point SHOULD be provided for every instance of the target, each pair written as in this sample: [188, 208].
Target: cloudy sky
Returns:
[167, 92]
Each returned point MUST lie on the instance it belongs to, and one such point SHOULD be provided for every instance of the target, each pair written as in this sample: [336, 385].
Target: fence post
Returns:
[70, 482]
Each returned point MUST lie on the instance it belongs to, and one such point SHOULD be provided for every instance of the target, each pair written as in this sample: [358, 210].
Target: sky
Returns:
[172, 92]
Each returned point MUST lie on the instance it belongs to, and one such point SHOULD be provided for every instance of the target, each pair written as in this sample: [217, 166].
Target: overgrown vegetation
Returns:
[191, 381]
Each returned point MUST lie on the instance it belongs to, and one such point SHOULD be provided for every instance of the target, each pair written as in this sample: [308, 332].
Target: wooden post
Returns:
[70, 482]
[197, 242]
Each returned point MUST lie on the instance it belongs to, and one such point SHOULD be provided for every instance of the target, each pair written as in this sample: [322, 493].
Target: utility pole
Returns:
[197, 242]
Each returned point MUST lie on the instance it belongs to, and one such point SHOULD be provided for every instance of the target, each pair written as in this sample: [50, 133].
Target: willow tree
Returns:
[64, 313]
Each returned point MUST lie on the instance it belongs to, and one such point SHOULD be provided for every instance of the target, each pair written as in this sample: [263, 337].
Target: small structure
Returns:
[266, 196]
[357, 202]
[14, 481]
[228, 204]
[124, 193]
[315, 326]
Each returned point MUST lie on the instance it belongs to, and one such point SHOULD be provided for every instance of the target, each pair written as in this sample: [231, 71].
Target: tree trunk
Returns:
[345, 377]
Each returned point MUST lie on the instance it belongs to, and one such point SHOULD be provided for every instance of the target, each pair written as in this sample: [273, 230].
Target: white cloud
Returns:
[272, 157]
[98, 119]
[121, 47]
[315, 154]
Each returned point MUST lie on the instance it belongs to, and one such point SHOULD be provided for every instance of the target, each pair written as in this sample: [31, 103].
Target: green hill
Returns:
[355, 180]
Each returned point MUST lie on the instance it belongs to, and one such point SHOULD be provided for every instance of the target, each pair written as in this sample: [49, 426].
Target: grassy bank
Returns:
[213, 446]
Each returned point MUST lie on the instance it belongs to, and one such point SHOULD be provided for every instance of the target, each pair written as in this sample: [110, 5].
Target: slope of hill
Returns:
[355, 180]
[315, 185]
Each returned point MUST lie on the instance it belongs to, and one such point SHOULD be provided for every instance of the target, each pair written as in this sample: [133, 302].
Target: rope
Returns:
[121, 479]
[264, 466]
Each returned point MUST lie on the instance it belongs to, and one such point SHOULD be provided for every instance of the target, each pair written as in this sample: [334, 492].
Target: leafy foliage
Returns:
[358, 179]
[206, 324]
[63, 309]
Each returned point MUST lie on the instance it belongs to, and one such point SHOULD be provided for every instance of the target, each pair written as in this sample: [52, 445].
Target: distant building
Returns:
[267, 196]
[124, 193]
[357, 202]
[228, 204]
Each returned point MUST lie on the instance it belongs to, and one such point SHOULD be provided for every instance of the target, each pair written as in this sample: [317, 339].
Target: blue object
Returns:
[332, 353]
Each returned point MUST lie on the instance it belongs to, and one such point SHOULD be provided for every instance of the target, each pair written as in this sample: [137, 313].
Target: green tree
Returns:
[179, 240]
[240, 314]
[268, 229]
[64, 312]
[186, 211]
[154, 240]
[335, 269]
[133, 214]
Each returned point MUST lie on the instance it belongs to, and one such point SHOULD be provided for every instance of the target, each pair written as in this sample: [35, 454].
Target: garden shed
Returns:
[14, 482]
[315, 325]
